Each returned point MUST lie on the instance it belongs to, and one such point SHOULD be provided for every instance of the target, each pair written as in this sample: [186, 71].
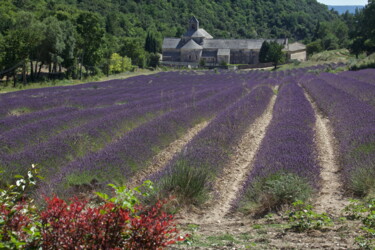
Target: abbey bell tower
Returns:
[193, 24]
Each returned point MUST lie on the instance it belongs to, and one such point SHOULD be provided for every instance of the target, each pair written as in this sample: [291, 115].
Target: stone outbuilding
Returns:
[197, 46]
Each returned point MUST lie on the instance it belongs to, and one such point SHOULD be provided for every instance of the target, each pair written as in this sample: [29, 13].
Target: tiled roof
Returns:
[198, 33]
[296, 47]
[170, 43]
[191, 45]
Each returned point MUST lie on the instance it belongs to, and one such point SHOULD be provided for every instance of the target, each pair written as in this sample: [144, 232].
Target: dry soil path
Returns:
[163, 157]
[331, 197]
[229, 184]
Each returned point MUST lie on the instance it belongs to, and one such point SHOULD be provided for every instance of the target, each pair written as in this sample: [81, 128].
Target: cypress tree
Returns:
[263, 53]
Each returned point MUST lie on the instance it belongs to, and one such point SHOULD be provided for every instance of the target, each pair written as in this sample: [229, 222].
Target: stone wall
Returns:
[300, 55]
[171, 55]
[191, 55]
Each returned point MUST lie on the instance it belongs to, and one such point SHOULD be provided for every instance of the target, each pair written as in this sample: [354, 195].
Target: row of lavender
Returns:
[121, 160]
[108, 93]
[99, 94]
[19, 137]
[76, 141]
[285, 166]
[190, 172]
[72, 98]
[58, 137]
[353, 121]
[360, 89]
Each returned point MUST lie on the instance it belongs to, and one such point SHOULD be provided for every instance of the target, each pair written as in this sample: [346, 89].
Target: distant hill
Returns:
[295, 19]
[342, 9]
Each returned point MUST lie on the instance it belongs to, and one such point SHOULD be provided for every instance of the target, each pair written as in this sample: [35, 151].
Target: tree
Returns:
[19, 43]
[314, 47]
[116, 64]
[357, 46]
[153, 60]
[90, 35]
[53, 44]
[264, 52]
[133, 49]
[151, 43]
[275, 53]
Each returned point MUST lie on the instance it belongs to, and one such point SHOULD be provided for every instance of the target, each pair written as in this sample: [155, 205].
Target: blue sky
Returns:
[344, 2]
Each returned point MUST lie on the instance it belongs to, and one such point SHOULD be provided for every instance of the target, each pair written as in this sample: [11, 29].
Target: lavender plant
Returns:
[353, 122]
[189, 174]
[285, 168]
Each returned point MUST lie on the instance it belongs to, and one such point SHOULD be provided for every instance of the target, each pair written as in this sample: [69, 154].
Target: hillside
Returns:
[222, 18]
[344, 8]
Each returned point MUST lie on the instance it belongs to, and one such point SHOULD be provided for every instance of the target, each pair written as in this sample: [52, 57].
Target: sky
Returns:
[344, 2]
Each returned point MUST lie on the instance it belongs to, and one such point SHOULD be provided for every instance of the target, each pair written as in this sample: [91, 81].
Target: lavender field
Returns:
[85, 136]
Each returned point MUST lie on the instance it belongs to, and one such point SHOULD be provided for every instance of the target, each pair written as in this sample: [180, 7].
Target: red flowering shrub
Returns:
[78, 225]
[153, 229]
[119, 223]
[14, 218]
[105, 227]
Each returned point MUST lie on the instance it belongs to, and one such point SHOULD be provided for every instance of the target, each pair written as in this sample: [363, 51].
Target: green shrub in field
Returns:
[362, 180]
[365, 211]
[186, 182]
[303, 218]
[274, 191]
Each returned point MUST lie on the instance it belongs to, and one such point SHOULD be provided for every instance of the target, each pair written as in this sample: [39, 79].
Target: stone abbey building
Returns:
[197, 45]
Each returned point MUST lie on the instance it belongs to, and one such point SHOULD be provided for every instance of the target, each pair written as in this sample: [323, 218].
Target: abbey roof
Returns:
[248, 44]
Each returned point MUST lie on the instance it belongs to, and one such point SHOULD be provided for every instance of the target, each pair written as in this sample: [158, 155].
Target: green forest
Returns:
[76, 38]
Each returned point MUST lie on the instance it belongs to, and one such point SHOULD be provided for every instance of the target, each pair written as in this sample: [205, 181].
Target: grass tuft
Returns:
[273, 192]
[188, 183]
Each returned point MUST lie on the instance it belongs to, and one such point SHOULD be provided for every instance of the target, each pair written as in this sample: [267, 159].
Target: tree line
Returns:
[353, 31]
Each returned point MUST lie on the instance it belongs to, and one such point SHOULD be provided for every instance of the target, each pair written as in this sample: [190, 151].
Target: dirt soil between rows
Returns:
[214, 227]
[331, 197]
[230, 182]
[161, 159]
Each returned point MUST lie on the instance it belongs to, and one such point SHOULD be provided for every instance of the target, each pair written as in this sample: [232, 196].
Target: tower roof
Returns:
[193, 19]
[198, 33]
[191, 45]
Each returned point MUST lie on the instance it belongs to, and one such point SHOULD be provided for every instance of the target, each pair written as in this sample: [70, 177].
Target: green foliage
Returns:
[16, 213]
[133, 49]
[263, 53]
[152, 45]
[128, 198]
[365, 211]
[153, 60]
[363, 30]
[274, 191]
[119, 64]
[303, 218]
[187, 182]
[272, 52]
[363, 63]
[276, 54]
[314, 47]
[202, 62]
[362, 181]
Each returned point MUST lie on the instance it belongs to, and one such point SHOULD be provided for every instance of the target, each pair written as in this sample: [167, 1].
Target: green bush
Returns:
[365, 211]
[274, 191]
[187, 182]
[303, 218]
[362, 181]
